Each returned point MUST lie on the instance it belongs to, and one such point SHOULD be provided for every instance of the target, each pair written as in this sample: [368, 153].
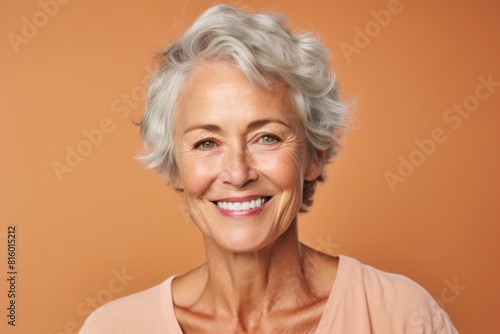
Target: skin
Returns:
[235, 141]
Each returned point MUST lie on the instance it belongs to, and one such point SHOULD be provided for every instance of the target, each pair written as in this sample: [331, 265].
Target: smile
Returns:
[242, 206]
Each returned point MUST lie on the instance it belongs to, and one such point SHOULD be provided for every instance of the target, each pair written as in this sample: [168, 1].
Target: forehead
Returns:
[221, 90]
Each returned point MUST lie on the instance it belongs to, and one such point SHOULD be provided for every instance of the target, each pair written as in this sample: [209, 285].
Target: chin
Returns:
[245, 241]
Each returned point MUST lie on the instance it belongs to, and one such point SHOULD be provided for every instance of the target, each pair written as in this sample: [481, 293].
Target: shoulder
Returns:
[381, 284]
[396, 298]
[127, 314]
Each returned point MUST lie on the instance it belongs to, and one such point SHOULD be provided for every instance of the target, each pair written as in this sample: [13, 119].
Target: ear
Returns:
[175, 181]
[314, 167]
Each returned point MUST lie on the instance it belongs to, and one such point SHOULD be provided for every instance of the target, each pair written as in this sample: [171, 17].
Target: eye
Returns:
[205, 145]
[268, 139]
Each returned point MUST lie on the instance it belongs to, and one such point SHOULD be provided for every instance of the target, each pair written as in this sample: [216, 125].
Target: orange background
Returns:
[86, 64]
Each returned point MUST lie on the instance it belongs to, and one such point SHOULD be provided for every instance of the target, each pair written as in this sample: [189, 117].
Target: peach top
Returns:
[363, 300]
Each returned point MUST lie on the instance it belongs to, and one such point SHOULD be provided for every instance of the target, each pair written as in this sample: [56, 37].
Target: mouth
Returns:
[243, 205]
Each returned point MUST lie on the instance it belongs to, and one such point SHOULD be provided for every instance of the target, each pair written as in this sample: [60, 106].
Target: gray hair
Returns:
[263, 47]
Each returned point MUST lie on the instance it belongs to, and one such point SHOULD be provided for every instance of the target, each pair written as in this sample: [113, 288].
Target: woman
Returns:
[242, 116]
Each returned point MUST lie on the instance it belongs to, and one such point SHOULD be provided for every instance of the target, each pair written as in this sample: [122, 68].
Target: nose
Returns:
[237, 168]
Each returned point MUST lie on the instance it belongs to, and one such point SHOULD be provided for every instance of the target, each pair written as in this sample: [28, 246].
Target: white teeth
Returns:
[242, 206]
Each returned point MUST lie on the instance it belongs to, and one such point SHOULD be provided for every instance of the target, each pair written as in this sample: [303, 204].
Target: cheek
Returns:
[197, 173]
[283, 167]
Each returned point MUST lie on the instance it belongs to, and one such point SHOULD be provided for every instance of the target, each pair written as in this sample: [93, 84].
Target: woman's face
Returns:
[242, 158]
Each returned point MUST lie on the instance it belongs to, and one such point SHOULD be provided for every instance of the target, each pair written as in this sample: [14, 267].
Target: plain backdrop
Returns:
[415, 189]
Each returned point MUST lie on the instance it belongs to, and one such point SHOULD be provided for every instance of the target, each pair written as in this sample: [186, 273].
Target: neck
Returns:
[255, 283]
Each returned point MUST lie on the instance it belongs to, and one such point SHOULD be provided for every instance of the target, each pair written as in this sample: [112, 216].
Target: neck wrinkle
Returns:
[255, 284]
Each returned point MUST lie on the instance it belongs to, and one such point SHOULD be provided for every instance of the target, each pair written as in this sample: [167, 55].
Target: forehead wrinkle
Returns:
[219, 79]
[251, 126]
[210, 108]
[211, 94]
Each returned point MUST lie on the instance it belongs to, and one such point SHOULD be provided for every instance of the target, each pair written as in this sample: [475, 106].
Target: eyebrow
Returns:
[253, 125]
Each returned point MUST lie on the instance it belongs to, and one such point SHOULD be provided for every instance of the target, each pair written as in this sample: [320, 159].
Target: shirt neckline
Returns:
[336, 295]
[326, 321]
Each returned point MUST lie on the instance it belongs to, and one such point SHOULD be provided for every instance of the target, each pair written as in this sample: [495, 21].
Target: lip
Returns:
[240, 199]
[245, 213]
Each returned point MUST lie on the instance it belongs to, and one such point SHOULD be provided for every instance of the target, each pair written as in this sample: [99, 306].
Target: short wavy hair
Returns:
[264, 48]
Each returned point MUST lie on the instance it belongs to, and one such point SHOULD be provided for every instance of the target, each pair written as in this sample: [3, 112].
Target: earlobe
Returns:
[314, 167]
[175, 182]
[313, 171]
